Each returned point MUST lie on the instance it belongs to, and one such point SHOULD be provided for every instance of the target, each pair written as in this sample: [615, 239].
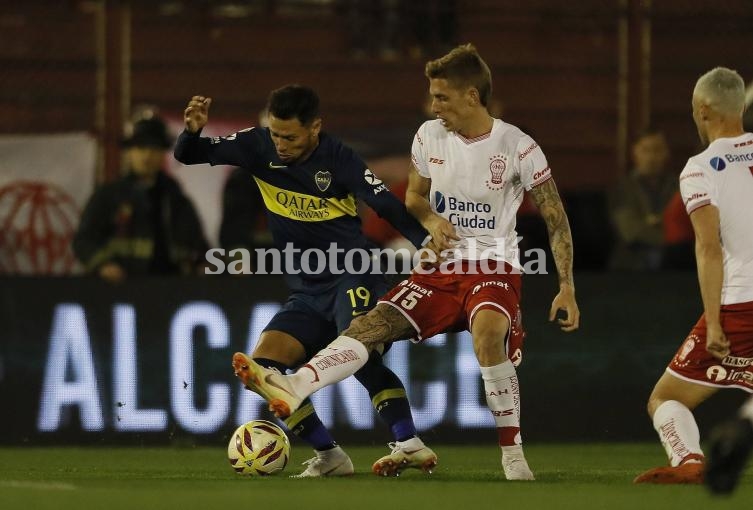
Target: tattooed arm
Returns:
[547, 199]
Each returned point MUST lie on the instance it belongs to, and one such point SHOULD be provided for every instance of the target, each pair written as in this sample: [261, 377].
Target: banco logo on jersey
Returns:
[465, 213]
[739, 158]
[717, 164]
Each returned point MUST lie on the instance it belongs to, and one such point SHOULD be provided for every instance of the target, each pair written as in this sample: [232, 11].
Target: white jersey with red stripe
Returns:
[722, 176]
[477, 184]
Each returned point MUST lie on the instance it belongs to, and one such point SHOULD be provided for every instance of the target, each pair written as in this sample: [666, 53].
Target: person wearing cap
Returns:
[141, 223]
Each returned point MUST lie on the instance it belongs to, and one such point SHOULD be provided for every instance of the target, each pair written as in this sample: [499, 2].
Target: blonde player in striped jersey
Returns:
[467, 180]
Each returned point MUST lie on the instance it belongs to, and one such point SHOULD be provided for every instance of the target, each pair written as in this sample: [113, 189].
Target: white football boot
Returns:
[334, 462]
[412, 453]
[514, 464]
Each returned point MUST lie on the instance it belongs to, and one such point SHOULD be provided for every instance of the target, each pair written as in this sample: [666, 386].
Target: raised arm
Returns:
[547, 199]
[710, 261]
[191, 148]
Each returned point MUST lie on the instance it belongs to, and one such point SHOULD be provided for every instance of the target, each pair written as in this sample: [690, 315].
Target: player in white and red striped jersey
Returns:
[467, 180]
[717, 188]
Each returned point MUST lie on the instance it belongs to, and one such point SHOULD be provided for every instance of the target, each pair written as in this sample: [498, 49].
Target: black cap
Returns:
[151, 132]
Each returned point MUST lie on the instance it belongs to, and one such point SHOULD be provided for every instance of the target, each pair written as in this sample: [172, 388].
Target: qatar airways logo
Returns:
[465, 213]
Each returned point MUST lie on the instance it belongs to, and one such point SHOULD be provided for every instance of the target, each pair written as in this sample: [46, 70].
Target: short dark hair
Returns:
[294, 102]
[463, 67]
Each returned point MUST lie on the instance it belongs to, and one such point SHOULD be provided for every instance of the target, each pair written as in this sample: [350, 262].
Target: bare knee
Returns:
[687, 393]
[489, 333]
[654, 401]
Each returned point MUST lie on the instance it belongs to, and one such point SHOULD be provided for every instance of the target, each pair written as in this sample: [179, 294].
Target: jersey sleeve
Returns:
[418, 152]
[237, 149]
[532, 164]
[366, 186]
[695, 187]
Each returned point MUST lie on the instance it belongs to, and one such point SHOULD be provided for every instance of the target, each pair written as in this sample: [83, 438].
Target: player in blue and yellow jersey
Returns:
[310, 182]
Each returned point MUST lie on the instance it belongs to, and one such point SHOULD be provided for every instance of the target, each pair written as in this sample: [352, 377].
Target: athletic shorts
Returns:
[316, 318]
[693, 363]
[440, 302]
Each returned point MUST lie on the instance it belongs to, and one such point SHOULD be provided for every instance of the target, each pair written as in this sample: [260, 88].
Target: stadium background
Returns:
[584, 76]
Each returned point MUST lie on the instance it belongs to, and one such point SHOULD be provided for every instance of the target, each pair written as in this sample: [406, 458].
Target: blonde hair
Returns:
[463, 67]
[723, 89]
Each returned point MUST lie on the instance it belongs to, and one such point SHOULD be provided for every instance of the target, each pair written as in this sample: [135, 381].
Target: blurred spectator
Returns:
[142, 223]
[433, 24]
[243, 215]
[679, 238]
[638, 202]
[244, 218]
[374, 27]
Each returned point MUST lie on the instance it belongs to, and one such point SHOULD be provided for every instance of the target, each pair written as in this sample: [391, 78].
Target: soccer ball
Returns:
[258, 447]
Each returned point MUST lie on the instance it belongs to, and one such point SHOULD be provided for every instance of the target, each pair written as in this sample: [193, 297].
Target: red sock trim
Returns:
[507, 435]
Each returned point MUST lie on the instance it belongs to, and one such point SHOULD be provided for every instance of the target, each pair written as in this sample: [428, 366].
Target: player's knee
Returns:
[489, 341]
[489, 326]
[489, 349]
[654, 401]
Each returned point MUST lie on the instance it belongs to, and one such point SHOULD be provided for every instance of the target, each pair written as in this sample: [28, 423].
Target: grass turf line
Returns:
[569, 476]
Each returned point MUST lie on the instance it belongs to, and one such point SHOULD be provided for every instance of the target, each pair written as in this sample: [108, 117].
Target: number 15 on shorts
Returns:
[409, 301]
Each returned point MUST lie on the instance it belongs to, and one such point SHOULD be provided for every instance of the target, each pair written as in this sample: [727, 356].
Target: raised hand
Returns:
[196, 113]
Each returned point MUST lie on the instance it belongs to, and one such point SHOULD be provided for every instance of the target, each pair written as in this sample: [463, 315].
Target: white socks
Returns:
[677, 431]
[503, 398]
[341, 358]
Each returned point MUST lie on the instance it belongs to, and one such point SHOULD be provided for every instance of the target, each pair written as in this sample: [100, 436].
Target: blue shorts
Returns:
[315, 319]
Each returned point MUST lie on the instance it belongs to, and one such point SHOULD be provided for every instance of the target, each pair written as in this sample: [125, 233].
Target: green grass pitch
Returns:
[569, 476]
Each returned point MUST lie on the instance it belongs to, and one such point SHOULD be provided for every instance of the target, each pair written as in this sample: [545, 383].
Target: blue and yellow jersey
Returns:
[311, 203]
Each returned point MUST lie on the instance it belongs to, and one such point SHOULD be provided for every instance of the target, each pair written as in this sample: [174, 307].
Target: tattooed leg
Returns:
[382, 324]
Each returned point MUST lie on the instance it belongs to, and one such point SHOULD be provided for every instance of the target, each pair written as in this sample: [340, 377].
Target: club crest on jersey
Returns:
[323, 179]
[497, 167]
